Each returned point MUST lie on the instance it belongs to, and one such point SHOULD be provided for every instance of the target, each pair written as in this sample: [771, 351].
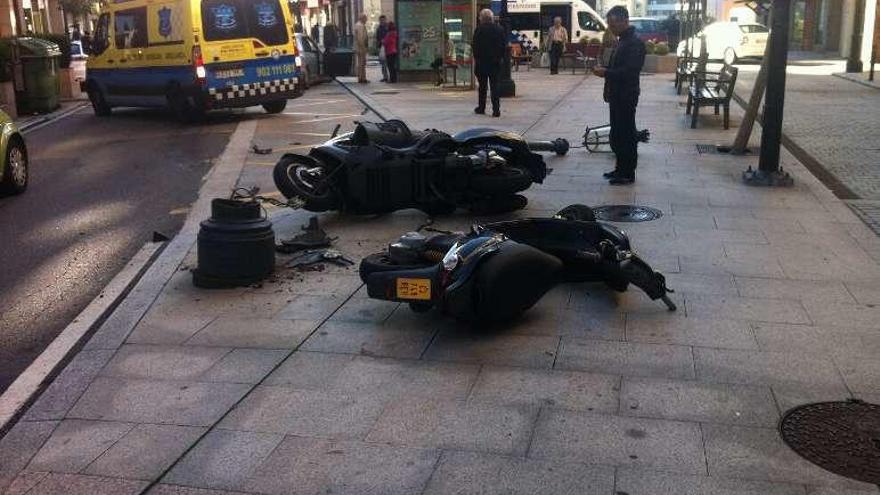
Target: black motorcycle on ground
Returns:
[383, 167]
[500, 270]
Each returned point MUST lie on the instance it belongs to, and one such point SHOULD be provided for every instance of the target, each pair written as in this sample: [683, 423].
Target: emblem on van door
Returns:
[165, 22]
[224, 17]
[266, 16]
[276, 54]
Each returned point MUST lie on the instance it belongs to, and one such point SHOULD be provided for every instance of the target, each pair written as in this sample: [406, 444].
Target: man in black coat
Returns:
[622, 94]
[488, 44]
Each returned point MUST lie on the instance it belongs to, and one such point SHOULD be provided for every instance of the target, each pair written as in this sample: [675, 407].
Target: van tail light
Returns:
[199, 65]
[744, 40]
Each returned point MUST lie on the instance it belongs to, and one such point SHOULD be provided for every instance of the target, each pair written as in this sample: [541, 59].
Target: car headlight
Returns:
[298, 61]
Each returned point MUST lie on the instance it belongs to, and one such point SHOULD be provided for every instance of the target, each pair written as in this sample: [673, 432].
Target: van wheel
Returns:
[277, 106]
[99, 103]
[730, 57]
[184, 111]
[14, 179]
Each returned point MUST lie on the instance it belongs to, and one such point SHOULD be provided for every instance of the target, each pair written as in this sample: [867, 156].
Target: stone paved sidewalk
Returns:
[304, 385]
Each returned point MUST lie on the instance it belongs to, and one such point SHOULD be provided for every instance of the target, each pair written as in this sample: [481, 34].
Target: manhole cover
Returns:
[626, 213]
[842, 437]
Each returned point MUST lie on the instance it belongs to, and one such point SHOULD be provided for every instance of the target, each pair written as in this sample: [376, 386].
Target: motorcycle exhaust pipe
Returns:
[559, 146]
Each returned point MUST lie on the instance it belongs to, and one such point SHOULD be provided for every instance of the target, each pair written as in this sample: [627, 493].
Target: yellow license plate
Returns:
[414, 288]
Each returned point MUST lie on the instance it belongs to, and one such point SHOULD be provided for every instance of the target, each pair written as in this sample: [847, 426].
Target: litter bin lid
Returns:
[36, 47]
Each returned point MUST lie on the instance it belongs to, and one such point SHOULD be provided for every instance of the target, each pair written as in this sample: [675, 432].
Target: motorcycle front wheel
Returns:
[306, 178]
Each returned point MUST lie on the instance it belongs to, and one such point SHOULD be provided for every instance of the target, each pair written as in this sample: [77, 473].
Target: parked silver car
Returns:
[312, 59]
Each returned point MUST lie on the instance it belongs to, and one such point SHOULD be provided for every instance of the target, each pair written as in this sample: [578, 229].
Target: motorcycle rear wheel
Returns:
[304, 177]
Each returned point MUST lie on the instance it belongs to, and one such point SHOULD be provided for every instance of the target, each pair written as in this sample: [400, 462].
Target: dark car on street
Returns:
[648, 29]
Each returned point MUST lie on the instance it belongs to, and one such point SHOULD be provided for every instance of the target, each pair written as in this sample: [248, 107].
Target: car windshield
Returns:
[645, 25]
[236, 19]
[753, 28]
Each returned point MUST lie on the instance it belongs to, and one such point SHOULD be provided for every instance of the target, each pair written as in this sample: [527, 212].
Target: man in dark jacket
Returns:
[488, 44]
[622, 94]
[381, 31]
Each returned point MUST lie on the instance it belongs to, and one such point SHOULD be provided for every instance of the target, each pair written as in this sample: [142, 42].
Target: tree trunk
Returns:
[745, 128]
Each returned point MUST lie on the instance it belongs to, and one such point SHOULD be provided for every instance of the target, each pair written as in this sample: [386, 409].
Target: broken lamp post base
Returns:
[775, 178]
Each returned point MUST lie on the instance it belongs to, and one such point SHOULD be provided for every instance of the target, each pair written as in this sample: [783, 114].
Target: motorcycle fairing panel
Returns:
[500, 270]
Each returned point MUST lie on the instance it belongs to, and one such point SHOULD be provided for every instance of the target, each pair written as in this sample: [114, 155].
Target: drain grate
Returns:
[386, 92]
[627, 213]
[842, 437]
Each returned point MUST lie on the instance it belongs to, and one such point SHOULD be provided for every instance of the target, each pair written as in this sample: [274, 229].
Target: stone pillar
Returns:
[811, 14]
[7, 18]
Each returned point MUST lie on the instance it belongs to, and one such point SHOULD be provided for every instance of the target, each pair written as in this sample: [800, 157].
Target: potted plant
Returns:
[658, 60]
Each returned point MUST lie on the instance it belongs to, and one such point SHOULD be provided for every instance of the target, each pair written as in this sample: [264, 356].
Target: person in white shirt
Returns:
[557, 36]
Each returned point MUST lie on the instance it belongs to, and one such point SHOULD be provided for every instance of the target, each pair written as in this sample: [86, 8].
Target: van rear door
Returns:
[246, 42]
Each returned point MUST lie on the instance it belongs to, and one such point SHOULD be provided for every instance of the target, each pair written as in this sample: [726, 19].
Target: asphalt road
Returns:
[98, 190]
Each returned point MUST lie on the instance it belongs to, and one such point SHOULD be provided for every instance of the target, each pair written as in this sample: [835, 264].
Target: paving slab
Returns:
[78, 484]
[306, 370]
[145, 452]
[76, 443]
[304, 412]
[744, 308]
[785, 369]
[568, 390]
[223, 459]
[760, 454]
[843, 342]
[615, 440]
[687, 331]
[465, 472]
[255, 332]
[644, 482]
[497, 348]
[306, 307]
[370, 339]
[309, 465]
[456, 425]
[168, 328]
[150, 401]
[166, 489]
[808, 291]
[695, 401]
[163, 362]
[626, 358]
[19, 445]
[66, 389]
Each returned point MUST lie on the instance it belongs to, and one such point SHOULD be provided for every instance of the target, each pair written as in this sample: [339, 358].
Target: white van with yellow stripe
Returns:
[193, 56]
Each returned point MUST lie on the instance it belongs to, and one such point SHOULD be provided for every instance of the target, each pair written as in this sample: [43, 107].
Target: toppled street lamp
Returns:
[769, 172]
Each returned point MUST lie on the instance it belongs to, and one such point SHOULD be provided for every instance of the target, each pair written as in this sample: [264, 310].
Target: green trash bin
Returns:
[36, 75]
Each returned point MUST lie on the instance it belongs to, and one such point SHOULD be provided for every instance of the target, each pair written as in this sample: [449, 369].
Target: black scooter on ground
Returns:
[499, 270]
[383, 167]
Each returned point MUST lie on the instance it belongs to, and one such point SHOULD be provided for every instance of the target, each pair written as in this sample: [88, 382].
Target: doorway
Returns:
[550, 12]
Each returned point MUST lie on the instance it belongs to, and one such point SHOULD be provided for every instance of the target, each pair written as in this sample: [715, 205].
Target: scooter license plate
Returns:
[418, 289]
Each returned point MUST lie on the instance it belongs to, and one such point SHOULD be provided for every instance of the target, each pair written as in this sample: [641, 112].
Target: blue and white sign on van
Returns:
[165, 22]
[266, 16]
[224, 17]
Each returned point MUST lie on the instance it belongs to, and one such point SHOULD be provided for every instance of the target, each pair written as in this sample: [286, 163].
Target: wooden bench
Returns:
[711, 89]
[517, 55]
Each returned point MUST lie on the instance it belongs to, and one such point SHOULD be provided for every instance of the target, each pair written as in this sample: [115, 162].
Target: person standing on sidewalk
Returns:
[556, 38]
[381, 31]
[361, 45]
[390, 44]
[622, 94]
[489, 43]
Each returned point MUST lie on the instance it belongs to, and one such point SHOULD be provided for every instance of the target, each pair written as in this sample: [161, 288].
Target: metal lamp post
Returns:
[769, 172]
[506, 86]
[854, 62]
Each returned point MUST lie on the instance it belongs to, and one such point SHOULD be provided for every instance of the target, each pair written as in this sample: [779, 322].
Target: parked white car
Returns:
[730, 41]
[78, 60]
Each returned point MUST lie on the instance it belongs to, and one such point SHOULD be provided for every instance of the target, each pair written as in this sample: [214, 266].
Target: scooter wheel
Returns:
[503, 180]
[578, 212]
[304, 177]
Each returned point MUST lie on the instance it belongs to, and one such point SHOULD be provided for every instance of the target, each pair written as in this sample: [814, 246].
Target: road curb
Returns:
[33, 380]
[39, 123]
[118, 322]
